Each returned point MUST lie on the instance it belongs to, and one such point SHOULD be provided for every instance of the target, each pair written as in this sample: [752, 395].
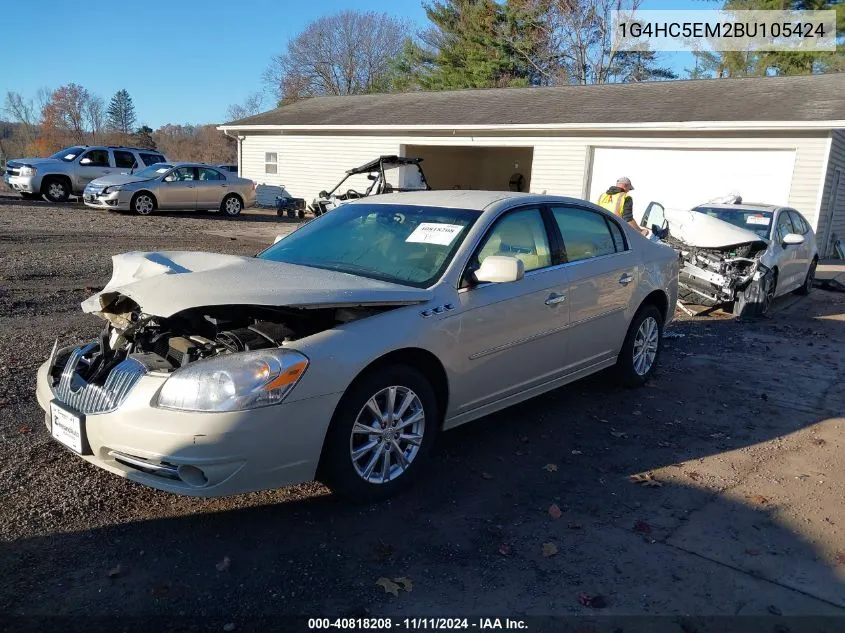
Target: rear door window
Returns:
[210, 174]
[585, 234]
[124, 160]
[151, 159]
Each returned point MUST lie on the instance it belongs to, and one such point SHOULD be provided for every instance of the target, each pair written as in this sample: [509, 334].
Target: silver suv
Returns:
[66, 172]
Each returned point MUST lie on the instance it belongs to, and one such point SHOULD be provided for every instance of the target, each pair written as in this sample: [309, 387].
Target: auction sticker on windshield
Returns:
[66, 427]
[435, 233]
[758, 219]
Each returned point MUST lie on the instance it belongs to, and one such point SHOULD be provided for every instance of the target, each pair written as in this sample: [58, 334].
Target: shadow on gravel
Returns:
[694, 536]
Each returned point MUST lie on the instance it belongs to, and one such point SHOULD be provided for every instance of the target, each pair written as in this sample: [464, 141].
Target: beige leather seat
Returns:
[515, 237]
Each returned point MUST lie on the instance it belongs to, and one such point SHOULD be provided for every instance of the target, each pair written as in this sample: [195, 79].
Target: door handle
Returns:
[626, 279]
[555, 298]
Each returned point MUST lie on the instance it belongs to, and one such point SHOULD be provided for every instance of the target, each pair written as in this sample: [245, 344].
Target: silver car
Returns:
[172, 186]
[343, 350]
[67, 172]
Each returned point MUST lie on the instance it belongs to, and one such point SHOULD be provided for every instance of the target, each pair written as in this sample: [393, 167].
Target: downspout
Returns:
[240, 140]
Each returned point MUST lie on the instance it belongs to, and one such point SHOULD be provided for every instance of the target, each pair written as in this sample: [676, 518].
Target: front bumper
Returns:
[203, 454]
[115, 200]
[23, 184]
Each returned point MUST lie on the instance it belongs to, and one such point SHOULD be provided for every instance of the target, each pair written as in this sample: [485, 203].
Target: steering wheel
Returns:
[351, 193]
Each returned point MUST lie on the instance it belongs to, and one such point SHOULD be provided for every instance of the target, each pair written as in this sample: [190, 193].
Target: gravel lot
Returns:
[530, 511]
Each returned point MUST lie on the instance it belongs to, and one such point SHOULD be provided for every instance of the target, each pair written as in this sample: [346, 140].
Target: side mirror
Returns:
[500, 269]
[85, 161]
[793, 239]
[323, 194]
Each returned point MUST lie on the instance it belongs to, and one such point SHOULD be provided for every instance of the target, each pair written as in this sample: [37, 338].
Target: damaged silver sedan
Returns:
[744, 255]
[341, 351]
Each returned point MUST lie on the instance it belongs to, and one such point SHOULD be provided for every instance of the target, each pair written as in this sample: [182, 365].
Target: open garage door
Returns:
[683, 178]
[461, 167]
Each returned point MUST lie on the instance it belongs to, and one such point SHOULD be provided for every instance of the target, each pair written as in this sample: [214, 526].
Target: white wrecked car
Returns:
[744, 254]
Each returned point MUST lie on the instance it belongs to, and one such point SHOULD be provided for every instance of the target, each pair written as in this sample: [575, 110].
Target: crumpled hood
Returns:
[165, 283]
[704, 231]
[117, 179]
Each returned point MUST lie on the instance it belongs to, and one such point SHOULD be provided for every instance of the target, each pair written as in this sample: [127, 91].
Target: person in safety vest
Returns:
[618, 201]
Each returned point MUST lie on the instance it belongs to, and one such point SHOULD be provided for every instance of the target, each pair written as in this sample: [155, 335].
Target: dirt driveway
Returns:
[738, 444]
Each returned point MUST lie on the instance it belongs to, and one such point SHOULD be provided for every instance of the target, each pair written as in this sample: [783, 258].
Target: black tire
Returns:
[55, 189]
[807, 286]
[337, 469]
[143, 203]
[232, 205]
[30, 196]
[756, 298]
[627, 369]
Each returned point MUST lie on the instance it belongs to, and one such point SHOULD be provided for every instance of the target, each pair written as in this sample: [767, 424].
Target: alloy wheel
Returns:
[233, 206]
[144, 205]
[387, 434]
[645, 345]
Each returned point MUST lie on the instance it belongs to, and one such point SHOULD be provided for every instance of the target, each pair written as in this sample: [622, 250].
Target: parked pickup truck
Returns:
[68, 171]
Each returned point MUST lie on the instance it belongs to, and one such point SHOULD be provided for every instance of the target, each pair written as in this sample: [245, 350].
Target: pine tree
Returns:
[144, 138]
[121, 113]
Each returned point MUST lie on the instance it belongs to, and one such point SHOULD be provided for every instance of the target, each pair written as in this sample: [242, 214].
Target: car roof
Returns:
[465, 199]
[179, 163]
[742, 206]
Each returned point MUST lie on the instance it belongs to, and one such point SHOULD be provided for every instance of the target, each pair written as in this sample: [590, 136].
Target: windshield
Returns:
[408, 245]
[154, 170]
[751, 219]
[405, 177]
[68, 154]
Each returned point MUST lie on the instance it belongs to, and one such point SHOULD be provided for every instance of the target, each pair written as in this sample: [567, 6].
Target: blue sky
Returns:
[182, 62]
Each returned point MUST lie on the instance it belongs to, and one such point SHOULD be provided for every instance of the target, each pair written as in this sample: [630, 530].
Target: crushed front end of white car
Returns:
[720, 263]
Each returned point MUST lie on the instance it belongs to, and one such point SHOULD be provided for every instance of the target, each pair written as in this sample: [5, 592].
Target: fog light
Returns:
[192, 476]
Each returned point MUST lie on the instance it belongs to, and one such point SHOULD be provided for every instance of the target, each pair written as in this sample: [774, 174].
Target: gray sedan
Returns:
[172, 186]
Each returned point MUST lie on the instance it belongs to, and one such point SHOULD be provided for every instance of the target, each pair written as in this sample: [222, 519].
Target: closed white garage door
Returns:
[683, 178]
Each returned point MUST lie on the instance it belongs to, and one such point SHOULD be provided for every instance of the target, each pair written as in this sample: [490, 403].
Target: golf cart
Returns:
[387, 174]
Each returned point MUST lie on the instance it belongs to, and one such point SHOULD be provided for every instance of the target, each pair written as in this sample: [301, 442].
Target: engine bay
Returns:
[712, 276]
[166, 344]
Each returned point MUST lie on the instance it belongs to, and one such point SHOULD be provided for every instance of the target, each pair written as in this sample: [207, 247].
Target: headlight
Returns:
[112, 189]
[27, 170]
[245, 380]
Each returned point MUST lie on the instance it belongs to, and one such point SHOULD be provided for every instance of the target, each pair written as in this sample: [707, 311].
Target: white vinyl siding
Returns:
[315, 161]
[831, 225]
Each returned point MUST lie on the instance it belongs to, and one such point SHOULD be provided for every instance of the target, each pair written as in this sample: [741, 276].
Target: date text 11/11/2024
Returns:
[385, 623]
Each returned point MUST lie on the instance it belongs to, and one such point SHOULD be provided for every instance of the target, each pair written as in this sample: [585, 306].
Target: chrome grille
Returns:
[73, 391]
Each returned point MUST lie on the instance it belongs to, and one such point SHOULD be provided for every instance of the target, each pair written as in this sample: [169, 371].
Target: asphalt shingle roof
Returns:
[806, 98]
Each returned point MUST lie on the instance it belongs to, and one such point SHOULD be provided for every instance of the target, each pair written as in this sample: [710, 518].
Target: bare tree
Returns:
[350, 52]
[95, 115]
[251, 106]
[23, 111]
[580, 34]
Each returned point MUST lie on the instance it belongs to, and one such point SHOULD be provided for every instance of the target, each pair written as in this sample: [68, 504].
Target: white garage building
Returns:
[779, 140]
